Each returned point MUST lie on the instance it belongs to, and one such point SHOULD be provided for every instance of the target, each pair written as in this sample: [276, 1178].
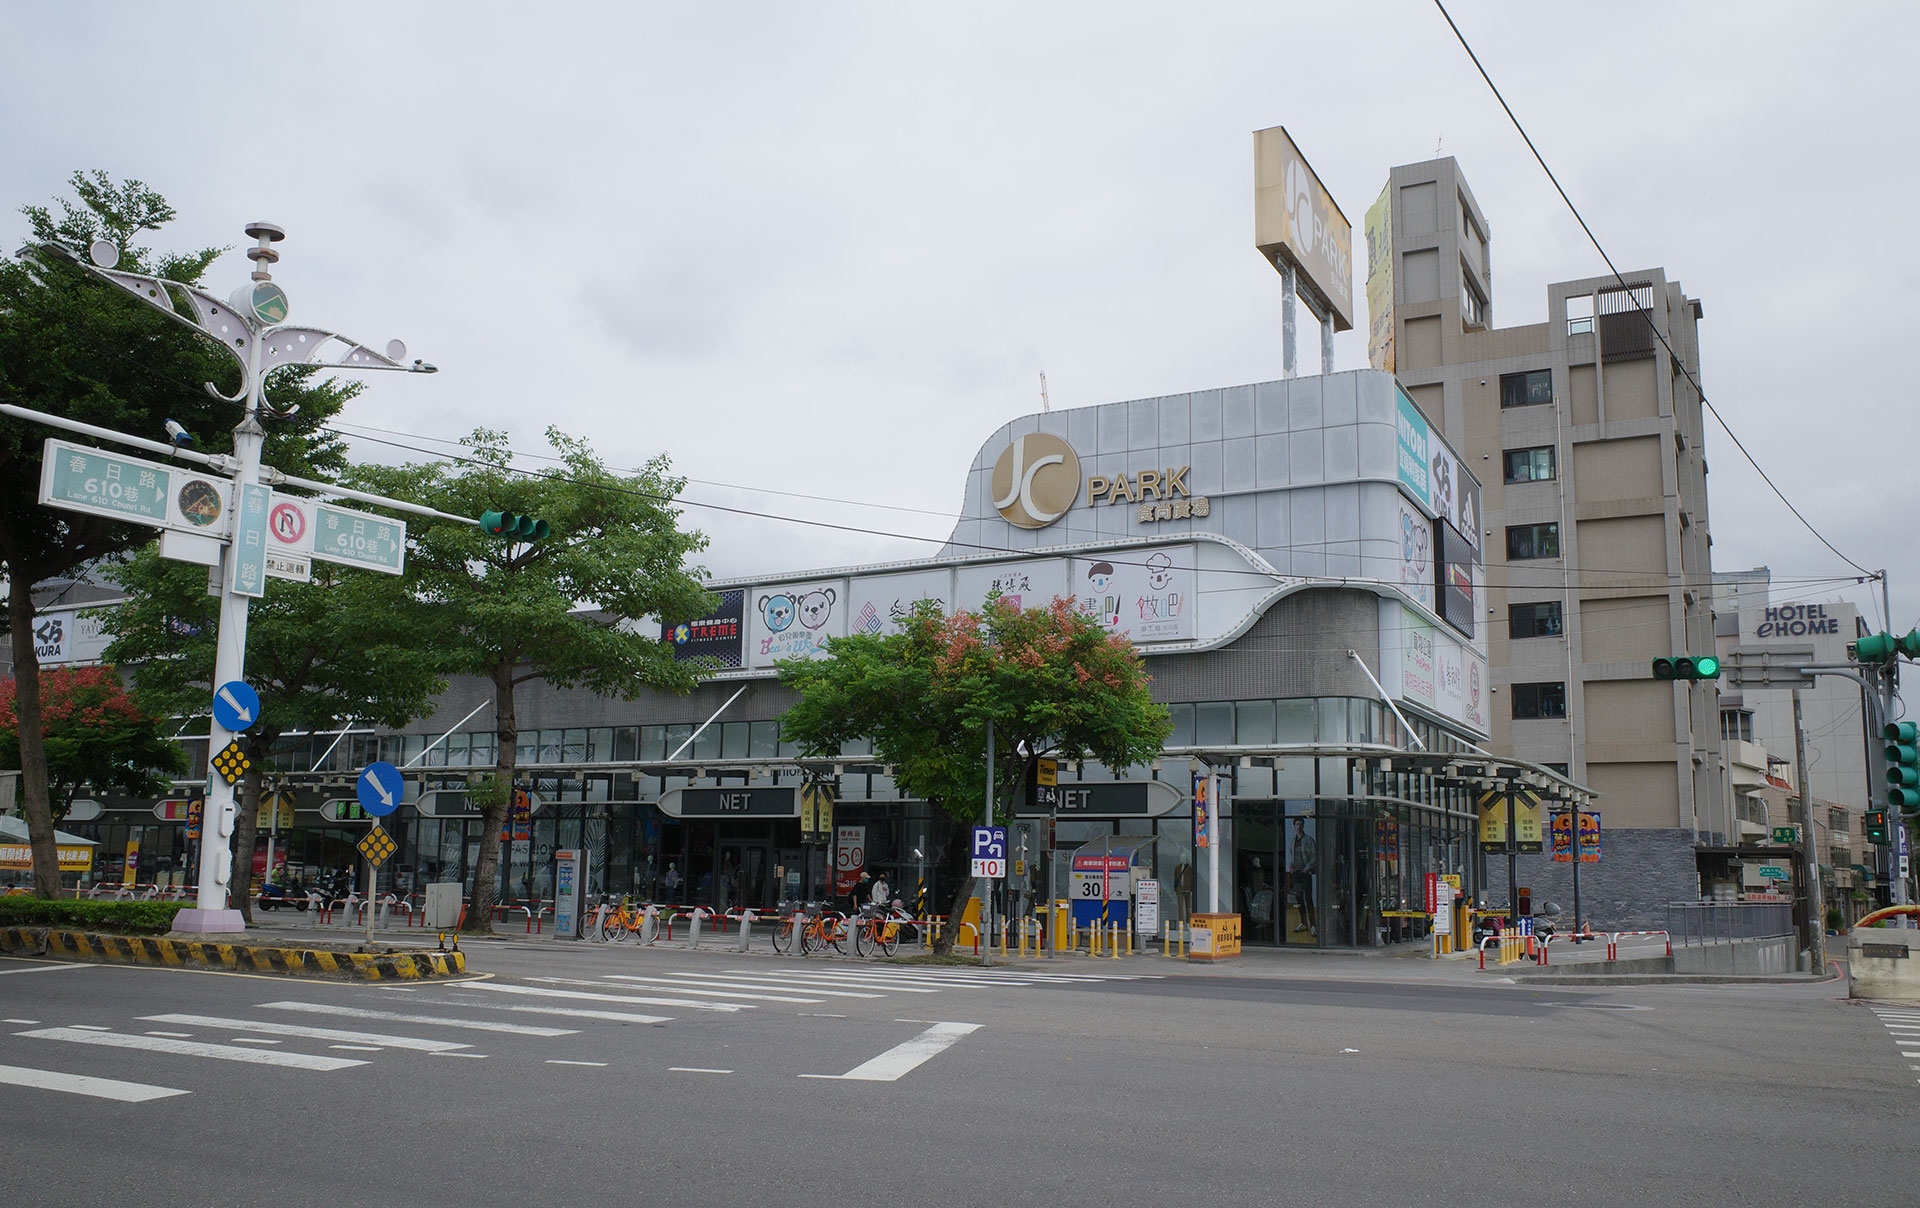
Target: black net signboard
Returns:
[719, 638]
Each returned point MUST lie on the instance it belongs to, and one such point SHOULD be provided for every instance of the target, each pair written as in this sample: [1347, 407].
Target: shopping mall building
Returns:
[1299, 562]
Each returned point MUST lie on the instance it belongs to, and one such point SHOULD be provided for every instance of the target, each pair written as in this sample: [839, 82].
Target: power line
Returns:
[1675, 357]
[1661, 582]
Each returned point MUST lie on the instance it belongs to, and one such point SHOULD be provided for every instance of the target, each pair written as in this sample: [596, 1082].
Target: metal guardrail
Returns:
[1693, 924]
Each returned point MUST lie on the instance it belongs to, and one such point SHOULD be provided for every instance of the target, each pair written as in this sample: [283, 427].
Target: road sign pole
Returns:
[211, 910]
[1816, 907]
[986, 898]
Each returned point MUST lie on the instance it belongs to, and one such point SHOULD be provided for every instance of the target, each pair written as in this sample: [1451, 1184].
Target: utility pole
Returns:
[1816, 908]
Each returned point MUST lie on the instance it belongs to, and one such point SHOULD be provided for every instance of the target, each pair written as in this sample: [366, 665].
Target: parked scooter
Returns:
[274, 895]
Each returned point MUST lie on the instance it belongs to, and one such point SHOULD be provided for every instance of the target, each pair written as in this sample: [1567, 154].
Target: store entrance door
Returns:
[746, 875]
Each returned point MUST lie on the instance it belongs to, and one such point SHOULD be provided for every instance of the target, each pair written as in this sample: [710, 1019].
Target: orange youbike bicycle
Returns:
[876, 932]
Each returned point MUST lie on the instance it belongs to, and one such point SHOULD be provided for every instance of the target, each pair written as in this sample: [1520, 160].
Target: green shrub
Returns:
[122, 918]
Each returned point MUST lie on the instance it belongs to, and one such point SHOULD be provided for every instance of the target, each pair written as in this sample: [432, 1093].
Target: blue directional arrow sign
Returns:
[236, 706]
[379, 788]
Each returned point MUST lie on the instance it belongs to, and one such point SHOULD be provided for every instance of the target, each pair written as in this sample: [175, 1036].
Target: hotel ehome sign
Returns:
[1037, 479]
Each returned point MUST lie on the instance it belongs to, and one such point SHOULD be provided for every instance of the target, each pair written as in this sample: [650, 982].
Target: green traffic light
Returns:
[1876, 648]
[514, 526]
[1706, 668]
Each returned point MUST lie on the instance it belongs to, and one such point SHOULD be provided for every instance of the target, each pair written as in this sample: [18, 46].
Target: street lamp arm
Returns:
[212, 318]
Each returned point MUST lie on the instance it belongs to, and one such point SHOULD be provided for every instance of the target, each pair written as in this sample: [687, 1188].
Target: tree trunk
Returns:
[34, 801]
[955, 857]
[507, 729]
[240, 884]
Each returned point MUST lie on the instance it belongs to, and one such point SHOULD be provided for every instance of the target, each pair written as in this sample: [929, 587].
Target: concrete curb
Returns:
[242, 958]
[1669, 979]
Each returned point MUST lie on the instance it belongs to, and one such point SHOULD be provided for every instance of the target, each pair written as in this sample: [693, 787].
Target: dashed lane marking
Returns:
[906, 1057]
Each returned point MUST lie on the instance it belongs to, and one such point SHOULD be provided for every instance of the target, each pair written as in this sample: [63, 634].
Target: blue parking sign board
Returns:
[380, 788]
[990, 851]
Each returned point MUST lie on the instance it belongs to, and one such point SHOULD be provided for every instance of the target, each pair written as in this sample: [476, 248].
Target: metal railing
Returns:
[1696, 923]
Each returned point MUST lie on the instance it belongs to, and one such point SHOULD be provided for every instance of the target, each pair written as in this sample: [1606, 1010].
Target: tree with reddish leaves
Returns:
[1052, 681]
[96, 735]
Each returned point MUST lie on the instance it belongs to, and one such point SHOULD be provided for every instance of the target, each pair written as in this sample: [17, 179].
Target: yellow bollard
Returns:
[1093, 939]
[1115, 953]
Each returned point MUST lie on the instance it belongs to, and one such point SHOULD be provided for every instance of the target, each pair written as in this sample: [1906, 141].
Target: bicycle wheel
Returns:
[619, 928]
[783, 936]
[864, 940]
[888, 941]
[810, 941]
[835, 933]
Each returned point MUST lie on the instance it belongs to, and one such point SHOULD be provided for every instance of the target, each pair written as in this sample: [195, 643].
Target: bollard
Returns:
[746, 930]
[1115, 951]
[651, 922]
[693, 937]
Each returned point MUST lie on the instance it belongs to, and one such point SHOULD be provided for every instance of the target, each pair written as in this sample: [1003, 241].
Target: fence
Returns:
[1695, 923]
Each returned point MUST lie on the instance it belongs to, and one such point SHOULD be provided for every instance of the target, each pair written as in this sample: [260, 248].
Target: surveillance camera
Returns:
[178, 435]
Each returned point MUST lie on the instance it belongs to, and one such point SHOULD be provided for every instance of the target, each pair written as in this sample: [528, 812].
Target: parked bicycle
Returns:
[622, 923]
[877, 932]
[823, 928]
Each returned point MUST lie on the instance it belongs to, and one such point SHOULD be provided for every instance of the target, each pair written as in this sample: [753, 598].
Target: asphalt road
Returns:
[583, 1075]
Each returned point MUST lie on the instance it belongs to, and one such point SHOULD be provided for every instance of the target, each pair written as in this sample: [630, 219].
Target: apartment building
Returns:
[1587, 437]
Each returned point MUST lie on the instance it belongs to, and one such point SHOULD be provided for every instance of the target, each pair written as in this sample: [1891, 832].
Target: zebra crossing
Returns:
[459, 1019]
[1903, 1024]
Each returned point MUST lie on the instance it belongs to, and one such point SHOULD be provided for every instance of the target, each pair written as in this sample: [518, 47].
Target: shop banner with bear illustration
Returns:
[1147, 594]
[795, 620]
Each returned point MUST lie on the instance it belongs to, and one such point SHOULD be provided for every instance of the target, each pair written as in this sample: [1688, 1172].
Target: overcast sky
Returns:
[828, 248]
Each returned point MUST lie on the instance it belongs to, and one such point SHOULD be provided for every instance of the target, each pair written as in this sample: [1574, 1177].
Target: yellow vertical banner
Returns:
[1528, 836]
[1493, 819]
[1379, 228]
[132, 871]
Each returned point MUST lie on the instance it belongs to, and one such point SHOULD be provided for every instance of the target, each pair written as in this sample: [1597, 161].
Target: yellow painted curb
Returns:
[249, 958]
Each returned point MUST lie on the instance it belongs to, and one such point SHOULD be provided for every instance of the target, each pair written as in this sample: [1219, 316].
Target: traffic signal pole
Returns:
[1810, 852]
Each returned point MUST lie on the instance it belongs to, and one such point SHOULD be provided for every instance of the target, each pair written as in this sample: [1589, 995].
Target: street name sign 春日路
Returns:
[79, 478]
[359, 539]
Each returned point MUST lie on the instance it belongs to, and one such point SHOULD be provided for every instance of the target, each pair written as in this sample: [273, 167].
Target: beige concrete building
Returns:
[1587, 438]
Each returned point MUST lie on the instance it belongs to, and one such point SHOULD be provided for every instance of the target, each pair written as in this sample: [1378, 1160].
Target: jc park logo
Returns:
[1035, 480]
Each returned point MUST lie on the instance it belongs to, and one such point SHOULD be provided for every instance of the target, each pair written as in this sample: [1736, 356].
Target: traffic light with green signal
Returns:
[1683, 667]
[1903, 765]
[1885, 647]
[1877, 827]
[514, 526]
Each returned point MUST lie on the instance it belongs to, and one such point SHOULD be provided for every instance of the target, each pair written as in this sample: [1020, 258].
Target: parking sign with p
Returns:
[990, 852]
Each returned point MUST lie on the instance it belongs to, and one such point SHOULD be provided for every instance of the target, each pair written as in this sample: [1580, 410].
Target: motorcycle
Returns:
[274, 895]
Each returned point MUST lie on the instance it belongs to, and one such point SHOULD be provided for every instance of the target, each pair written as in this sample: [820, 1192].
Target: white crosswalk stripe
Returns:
[193, 1048]
[474, 1025]
[1903, 1026]
[81, 1084]
[564, 1012]
[706, 988]
[588, 995]
[276, 1028]
[707, 985]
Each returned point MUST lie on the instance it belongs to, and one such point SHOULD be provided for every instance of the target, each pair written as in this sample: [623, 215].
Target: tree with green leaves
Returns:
[562, 609]
[352, 647]
[1052, 681]
[73, 346]
[96, 734]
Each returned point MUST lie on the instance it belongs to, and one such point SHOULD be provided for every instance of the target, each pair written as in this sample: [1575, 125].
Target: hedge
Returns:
[122, 918]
